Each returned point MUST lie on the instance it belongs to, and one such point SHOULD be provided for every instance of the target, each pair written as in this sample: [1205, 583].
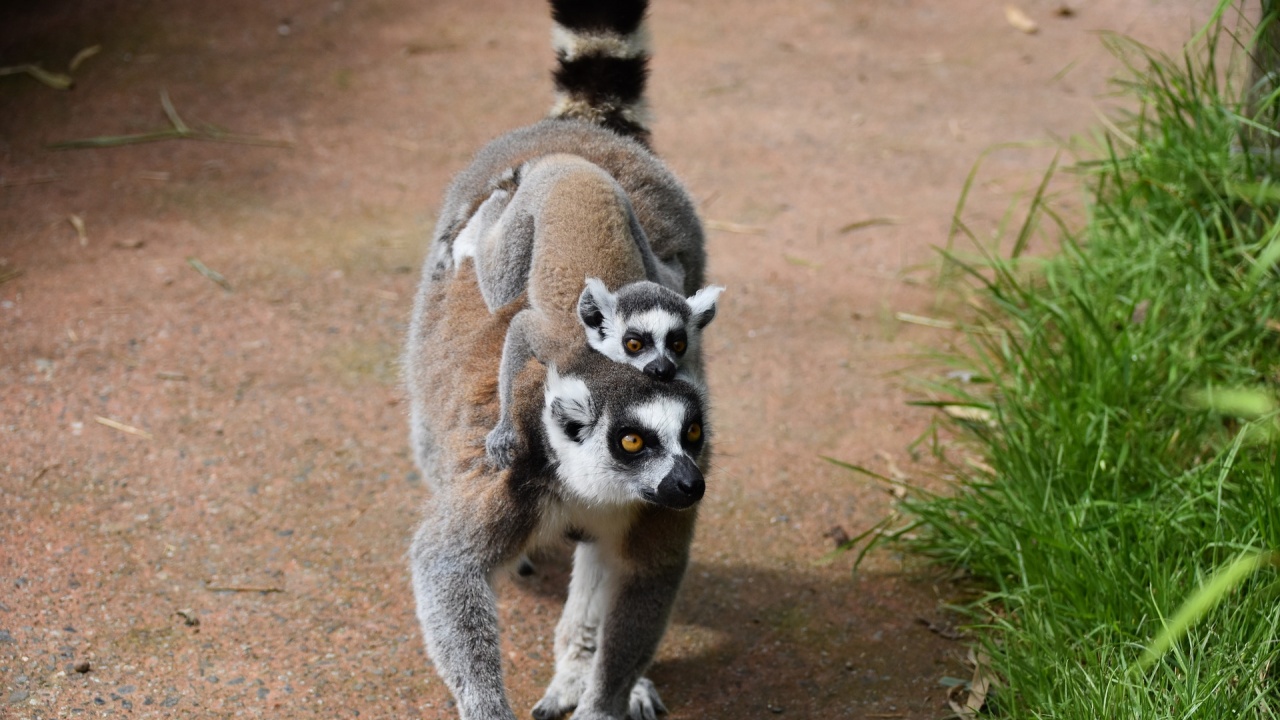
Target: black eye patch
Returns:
[651, 444]
[574, 430]
[631, 336]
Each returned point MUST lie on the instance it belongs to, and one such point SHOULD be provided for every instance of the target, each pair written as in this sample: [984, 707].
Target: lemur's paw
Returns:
[565, 690]
[552, 707]
[500, 446]
[645, 703]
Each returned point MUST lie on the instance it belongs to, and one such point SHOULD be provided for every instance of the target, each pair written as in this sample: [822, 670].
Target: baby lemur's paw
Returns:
[645, 703]
[500, 445]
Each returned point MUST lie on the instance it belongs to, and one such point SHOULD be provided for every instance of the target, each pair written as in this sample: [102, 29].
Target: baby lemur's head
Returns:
[646, 325]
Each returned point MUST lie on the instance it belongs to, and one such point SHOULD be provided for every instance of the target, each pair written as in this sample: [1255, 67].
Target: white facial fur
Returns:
[657, 324]
[583, 465]
[586, 465]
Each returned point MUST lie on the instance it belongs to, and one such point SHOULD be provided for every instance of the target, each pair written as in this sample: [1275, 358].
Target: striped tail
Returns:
[602, 49]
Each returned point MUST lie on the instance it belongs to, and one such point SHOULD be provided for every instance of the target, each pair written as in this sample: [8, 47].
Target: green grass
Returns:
[1132, 453]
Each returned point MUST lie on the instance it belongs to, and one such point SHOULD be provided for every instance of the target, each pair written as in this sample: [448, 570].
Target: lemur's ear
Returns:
[703, 305]
[568, 403]
[595, 304]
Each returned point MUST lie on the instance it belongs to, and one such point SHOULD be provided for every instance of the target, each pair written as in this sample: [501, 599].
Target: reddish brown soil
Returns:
[272, 499]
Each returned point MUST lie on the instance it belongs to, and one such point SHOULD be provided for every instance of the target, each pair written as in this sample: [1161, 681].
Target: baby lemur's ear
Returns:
[703, 305]
[568, 404]
[595, 305]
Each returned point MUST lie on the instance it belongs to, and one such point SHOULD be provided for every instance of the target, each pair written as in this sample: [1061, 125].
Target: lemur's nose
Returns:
[662, 369]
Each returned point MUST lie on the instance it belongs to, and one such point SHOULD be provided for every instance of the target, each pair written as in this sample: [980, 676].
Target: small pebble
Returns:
[83, 667]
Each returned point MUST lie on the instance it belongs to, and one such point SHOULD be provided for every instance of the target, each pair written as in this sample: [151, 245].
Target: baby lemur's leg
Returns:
[522, 342]
[504, 247]
[482, 221]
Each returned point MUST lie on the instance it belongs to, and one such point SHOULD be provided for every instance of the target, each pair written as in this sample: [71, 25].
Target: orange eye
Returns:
[694, 433]
[678, 346]
[632, 443]
[634, 345]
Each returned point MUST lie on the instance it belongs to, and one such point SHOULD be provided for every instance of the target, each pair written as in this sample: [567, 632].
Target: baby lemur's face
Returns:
[646, 325]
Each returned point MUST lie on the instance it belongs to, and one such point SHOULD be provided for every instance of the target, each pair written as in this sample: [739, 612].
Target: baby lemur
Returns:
[643, 324]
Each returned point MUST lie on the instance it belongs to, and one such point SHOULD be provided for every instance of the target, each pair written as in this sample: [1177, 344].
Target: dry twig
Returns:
[179, 131]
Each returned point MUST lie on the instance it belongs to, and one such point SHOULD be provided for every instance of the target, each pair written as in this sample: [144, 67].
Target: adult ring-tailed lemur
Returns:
[604, 453]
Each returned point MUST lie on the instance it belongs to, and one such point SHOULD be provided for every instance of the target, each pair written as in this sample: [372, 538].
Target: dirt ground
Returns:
[206, 493]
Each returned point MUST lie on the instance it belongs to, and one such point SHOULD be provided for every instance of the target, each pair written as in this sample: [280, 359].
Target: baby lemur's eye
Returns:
[694, 433]
[634, 345]
[632, 442]
[678, 346]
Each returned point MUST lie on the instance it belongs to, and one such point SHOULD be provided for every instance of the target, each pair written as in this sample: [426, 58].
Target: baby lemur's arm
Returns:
[522, 342]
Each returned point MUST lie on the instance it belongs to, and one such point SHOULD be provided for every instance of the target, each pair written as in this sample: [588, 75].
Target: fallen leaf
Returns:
[725, 226]
[733, 227]
[868, 223]
[969, 413]
[979, 465]
[117, 425]
[57, 81]
[925, 321]
[978, 688]
[981, 684]
[83, 55]
[77, 222]
[1020, 20]
[209, 272]
[799, 261]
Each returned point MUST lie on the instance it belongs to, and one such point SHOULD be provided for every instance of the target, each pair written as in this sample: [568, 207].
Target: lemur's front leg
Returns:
[578, 637]
[576, 634]
[501, 443]
[641, 593]
[452, 563]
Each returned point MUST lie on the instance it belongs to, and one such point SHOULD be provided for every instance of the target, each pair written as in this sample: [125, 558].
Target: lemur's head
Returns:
[618, 435]
[644, 324]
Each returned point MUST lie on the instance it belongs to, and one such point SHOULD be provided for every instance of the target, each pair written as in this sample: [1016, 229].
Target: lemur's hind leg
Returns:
[521, 344]
[482, 221]
[504, 245]
[452, 562]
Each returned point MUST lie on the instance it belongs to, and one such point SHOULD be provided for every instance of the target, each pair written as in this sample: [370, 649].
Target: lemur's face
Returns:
[619, 437]
[645, 325]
